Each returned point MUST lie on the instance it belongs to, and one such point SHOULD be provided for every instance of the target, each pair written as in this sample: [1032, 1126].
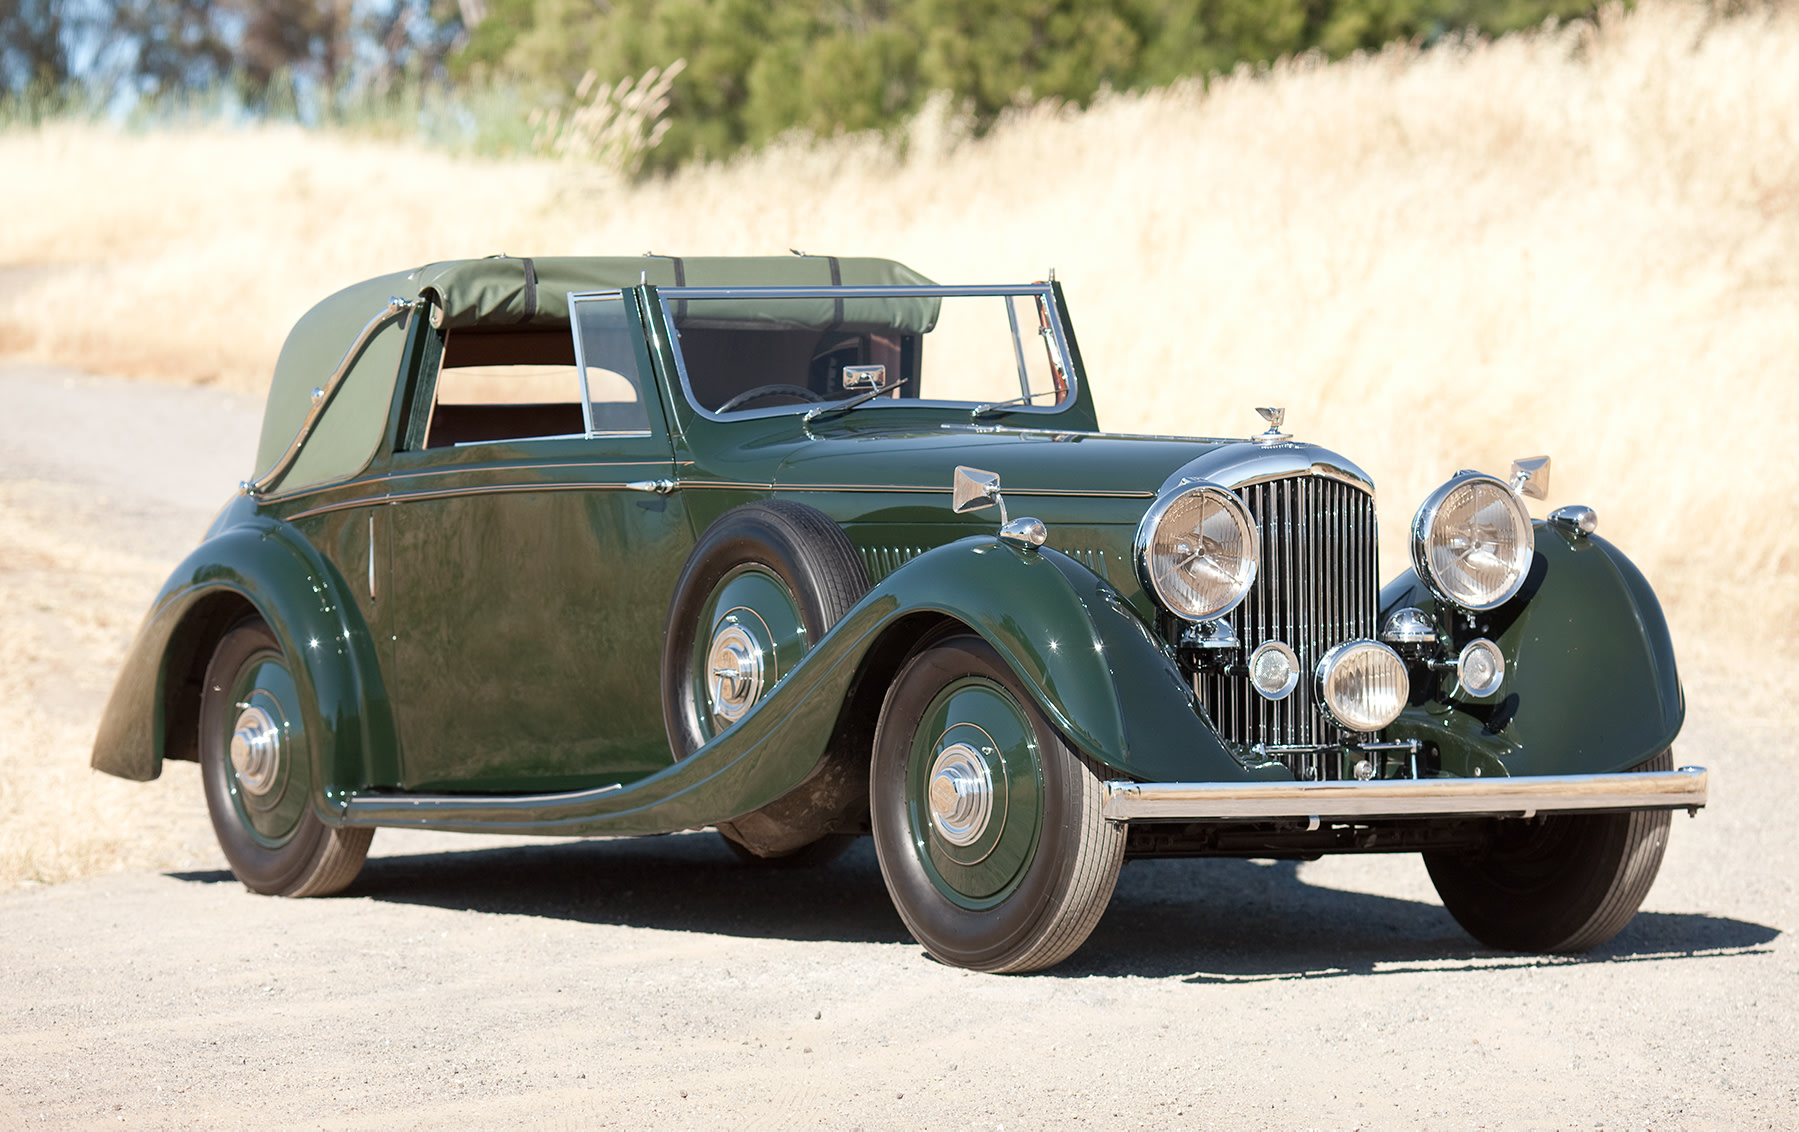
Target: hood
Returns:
[1048, 464]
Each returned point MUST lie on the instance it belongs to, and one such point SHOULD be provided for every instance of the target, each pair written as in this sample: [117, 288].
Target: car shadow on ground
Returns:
[1205, 920]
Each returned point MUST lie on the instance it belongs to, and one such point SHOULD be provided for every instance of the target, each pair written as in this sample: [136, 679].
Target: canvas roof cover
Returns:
[497, 291]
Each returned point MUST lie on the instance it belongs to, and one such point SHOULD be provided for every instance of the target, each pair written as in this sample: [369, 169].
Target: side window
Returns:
[606, 353]
[505, 385]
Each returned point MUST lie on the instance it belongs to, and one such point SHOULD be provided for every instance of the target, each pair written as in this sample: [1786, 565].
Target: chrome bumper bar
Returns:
[1407, 797]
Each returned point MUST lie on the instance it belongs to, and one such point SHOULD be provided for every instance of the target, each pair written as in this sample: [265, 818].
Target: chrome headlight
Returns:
[1472, 541]
[1364, 684]
[1197, 551]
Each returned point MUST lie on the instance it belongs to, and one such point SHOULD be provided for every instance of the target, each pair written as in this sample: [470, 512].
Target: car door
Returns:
[531, 559]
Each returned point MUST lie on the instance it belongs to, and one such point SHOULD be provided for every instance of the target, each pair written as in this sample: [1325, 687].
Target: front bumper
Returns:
[1685, 788]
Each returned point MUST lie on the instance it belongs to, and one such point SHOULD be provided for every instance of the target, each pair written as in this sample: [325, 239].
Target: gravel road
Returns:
[498, 982]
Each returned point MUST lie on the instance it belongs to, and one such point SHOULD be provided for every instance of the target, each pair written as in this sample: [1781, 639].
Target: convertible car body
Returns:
[627, 546]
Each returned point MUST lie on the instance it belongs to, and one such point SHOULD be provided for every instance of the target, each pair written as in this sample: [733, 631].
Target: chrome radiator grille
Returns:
[1316, 587]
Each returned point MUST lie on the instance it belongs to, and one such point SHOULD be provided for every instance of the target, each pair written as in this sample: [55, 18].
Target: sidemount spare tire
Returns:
[764, 583]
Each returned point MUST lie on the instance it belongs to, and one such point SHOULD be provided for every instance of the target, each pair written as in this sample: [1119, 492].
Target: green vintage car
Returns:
[607, 546]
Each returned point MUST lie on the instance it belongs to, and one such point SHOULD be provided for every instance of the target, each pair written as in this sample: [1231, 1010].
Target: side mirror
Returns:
[864, 377]
[1530, 476]
[976, 489]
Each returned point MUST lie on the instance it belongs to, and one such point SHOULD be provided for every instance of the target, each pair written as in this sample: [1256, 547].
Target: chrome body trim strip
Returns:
[322, 397]
[1685, 788]
[457, 469]
[421, 809]
[656, 485]
[453, 492]
[870, 291]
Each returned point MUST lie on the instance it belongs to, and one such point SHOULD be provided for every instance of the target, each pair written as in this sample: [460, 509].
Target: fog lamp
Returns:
[1480, 669]
[1363, 684]
[1274, 670]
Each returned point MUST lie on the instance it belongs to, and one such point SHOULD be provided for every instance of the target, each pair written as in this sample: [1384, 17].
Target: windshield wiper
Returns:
[980, 411]
[846, 405]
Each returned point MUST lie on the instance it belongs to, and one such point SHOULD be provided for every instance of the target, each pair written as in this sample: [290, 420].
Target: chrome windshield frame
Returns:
[1043, 292]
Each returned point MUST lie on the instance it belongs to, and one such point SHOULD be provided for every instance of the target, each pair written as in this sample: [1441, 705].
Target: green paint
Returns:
[978, 715]
[489, 619]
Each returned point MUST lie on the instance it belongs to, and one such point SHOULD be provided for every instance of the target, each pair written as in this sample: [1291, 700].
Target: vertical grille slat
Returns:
[1315, 589]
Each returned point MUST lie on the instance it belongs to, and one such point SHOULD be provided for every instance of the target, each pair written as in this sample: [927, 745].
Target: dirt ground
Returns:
[498, 982]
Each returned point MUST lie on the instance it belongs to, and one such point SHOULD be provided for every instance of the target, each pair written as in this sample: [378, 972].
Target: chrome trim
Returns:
[864, 377]
[1153, 517]
[735, 667]
[650, 485]
[1576, 519]
[1530, 476]
[454, 492]
[255, 750]
[1427, 516]
[321, 398]
[1044, 292]
[1408, 626]
[1280, 649]
[960, 795]
[1240, 463]
[975, 489]
[1491, 651]
[574, 319]
[870, 291]
[1685, 788]
[1317, 587]
[1065, 434]
[1329, 667]
[1273, 434]
[430, 809]
[1213, 634]
[1025, 531]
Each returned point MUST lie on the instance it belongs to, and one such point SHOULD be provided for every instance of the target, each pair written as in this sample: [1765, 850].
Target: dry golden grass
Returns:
[1582, 242]
[70, 606]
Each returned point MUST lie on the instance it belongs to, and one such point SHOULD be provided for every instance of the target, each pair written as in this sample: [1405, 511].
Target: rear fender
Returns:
[266, 568]
[1590, 686]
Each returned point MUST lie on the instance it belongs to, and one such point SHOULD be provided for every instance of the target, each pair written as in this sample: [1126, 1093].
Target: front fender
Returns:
[267, 566]
[1591, 685]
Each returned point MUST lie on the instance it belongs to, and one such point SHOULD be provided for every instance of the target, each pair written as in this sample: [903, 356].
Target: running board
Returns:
[473, 811]
[1408, 797]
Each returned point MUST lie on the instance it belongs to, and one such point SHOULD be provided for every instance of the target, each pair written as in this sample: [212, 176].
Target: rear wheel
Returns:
[1563, 882]
[987, 823]
[256, 764]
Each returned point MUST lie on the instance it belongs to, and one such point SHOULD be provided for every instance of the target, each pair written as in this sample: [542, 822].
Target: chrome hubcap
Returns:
[961, 794]
[255, 750]
[734, 667]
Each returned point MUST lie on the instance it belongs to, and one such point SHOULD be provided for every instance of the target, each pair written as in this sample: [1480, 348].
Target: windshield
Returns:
[761, 350]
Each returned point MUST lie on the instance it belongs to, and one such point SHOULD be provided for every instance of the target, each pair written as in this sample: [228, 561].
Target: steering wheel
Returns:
[795, 394]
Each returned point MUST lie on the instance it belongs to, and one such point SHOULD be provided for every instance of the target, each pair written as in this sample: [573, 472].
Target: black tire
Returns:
[263, 815]
[808, 573]
[1560, 883]
[1013, 898]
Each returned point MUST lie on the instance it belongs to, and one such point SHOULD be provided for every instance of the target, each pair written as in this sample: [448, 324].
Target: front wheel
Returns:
[1564, 882]
[255, 762]
[987, 823]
